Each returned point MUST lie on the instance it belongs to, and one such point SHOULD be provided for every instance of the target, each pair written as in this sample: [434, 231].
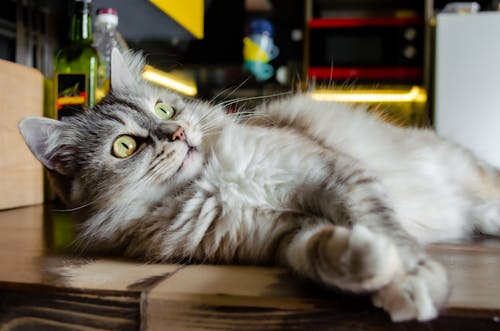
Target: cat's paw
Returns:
[417, 294]
[488, 219]
[368, 261]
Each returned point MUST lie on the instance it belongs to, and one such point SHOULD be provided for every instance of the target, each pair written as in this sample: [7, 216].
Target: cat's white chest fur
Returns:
[255, 167]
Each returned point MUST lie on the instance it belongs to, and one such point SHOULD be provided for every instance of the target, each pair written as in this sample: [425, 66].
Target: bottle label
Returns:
[71, 93]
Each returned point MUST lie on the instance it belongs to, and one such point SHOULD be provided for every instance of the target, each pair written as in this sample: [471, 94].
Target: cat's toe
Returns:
[369, 262]
[418, 294]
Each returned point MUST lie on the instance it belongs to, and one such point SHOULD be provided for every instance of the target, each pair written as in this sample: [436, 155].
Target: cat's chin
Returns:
[191, 165]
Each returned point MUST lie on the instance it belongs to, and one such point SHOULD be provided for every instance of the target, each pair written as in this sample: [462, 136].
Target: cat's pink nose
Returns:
[179, 134]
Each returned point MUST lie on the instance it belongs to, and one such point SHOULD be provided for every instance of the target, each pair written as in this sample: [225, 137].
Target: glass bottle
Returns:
[76, 64]
[106, 37]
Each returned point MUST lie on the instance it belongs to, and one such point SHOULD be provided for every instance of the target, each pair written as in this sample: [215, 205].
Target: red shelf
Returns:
[366, 73]
[323, 23]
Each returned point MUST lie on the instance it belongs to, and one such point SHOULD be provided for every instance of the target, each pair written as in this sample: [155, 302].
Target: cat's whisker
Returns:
[203, 118]
[210, 116]
[206, 119]
[207, 127]
[229, 88]
[297, 82]
[213, 124]
[234, 101]
[212, 132]
[258, 116]
[75, 208]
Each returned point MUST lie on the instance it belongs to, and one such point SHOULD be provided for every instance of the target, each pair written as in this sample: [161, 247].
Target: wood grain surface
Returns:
[21, 175]
[42, 287]
[38, 307]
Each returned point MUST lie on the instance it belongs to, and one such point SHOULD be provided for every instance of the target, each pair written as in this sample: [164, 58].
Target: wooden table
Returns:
[44, 289]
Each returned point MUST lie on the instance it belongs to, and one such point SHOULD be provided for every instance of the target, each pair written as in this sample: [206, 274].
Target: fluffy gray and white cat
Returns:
[331, 192]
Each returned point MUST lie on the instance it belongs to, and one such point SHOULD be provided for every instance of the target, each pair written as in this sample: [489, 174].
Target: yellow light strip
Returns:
[415, 94]
[169, 81]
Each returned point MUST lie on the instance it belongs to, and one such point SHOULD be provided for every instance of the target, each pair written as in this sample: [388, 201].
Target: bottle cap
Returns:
[107, 16]
[108, 10]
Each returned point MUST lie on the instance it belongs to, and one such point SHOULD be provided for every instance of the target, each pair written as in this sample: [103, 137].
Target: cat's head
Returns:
[129, 152]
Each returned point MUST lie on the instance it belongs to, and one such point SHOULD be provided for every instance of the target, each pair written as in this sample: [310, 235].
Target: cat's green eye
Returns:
[124, 146]
[164, 111]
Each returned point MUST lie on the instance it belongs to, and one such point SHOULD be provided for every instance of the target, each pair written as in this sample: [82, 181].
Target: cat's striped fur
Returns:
[328, 191]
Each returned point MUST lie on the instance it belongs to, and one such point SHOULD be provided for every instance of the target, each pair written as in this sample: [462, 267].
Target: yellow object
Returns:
[171, 81]
[188, 13]
[414, 94]
[252, 51]
[71, 100]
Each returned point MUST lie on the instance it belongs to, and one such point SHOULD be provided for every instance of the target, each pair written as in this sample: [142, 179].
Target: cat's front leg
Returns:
[365, 248]
[362, 261]
[353, 259]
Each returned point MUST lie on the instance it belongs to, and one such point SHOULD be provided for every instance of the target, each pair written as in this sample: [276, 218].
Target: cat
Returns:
[325, 189]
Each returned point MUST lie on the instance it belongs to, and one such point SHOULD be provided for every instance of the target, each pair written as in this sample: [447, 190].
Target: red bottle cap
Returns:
[110, 11]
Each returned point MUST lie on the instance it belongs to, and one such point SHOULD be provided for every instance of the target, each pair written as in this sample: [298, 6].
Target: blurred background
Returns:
[417, 63]
[378, 52]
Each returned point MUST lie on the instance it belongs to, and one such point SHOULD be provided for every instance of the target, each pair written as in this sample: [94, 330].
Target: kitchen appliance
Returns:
[467, 81]
[374, 49]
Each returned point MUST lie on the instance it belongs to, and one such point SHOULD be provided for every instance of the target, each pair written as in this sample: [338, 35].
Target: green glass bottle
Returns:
[76, 65]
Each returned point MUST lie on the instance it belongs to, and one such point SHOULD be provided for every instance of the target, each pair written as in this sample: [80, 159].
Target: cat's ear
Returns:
[126, 69]
[45, 139]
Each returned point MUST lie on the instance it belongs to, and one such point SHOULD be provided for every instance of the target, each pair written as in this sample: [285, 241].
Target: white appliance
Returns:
[467, 89]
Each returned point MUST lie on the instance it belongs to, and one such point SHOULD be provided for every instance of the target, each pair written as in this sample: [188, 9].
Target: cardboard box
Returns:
[21, 175]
